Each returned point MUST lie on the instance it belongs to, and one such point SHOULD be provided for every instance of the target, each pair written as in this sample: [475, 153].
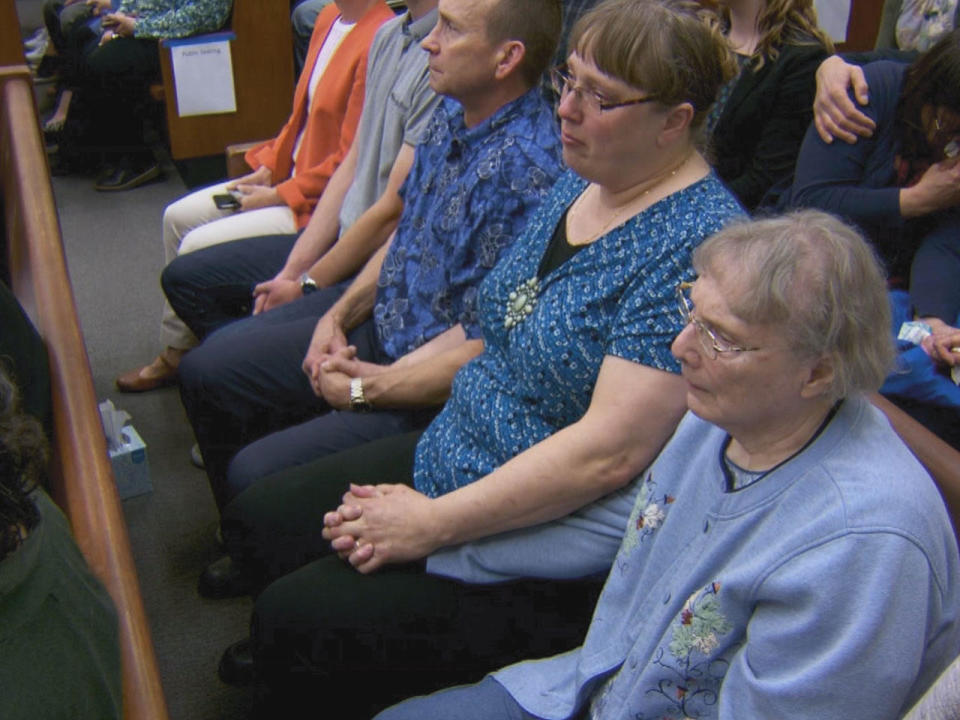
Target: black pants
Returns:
[113, 102]
[320, 628]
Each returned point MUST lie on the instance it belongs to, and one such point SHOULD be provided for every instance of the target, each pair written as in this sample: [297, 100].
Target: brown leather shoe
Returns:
[134, 382]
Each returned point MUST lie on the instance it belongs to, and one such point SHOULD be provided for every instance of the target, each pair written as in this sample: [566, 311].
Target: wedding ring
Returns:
[356, 544]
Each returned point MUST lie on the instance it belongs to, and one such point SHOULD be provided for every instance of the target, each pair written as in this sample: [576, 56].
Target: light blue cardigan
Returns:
[827, 589]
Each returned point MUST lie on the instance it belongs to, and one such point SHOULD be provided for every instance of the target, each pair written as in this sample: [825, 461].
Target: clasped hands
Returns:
[330, 364]
[381, 524]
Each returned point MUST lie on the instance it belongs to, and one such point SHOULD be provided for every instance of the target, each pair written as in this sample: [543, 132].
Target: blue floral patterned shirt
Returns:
[176, 18]
[468, 196]
[614, 297]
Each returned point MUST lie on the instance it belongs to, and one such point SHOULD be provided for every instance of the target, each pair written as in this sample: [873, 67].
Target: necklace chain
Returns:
[626, 208]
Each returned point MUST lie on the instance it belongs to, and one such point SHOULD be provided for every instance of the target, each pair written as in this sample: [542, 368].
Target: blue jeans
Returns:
[213, 286]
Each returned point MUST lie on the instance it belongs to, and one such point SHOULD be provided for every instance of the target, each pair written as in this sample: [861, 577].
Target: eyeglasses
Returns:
[713, 346]
[590, 100]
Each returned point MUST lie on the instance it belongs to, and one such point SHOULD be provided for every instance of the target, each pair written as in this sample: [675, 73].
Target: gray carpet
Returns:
[114, 255]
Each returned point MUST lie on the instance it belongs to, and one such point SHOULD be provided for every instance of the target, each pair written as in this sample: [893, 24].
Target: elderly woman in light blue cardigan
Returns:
[786, 556]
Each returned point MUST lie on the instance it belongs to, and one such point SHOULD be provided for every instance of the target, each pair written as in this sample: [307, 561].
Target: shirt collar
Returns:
[525, 105]
[414, 31]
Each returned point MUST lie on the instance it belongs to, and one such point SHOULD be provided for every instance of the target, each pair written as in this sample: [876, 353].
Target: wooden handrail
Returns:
[81, 477]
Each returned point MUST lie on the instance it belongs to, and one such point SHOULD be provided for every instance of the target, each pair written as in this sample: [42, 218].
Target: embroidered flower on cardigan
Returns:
[701, 621]
[693, 670]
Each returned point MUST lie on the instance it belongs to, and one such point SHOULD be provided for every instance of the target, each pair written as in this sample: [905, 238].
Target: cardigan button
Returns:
[706, 525]
[666, 598]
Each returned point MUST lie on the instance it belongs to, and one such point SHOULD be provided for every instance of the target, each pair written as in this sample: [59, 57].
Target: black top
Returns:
[758, 136]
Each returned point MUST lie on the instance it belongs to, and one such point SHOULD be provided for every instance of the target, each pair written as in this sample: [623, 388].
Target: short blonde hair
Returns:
[666, 47]
[820, 280]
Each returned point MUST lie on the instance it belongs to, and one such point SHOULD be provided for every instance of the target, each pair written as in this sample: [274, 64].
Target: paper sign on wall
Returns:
[203, 75]
[833, 16]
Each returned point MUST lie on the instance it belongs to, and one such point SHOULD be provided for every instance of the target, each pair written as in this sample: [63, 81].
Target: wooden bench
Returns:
[81, 477]
[262, 54]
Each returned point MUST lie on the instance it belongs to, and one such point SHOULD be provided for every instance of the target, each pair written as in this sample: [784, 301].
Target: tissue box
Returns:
[130, 467]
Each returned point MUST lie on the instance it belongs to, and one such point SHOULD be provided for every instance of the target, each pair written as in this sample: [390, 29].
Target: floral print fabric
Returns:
[176, 18]
[615, 297]
[468, 196]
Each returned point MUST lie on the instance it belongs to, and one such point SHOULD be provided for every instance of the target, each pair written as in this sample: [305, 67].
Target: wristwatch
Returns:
[358, 403]
[307, 284]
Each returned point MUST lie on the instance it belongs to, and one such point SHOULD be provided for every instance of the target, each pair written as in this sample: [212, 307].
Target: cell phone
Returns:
[227, 201]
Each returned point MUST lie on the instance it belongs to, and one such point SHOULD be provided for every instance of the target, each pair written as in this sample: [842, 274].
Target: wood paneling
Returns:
[263, 77]
[11, 45]
[862, 28]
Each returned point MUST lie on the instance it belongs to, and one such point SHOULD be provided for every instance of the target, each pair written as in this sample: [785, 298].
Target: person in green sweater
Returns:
[59, 652]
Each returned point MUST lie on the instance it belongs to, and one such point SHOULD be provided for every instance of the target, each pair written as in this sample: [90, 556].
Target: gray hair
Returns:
[820, 280]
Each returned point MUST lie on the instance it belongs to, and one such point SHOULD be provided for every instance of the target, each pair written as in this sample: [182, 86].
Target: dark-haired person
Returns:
[901, 184]
[786, 556]
[59, 653]
[761, 116]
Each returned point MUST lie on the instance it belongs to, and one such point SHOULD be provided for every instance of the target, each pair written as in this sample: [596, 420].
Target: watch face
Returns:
[307, 284]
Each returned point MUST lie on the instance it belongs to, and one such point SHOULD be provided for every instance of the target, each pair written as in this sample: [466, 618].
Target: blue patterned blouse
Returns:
[614, 297]
[176, 18]
[468, 196]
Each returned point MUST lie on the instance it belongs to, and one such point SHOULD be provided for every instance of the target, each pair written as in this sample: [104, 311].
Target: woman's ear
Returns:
[676, 123]
[820, 379]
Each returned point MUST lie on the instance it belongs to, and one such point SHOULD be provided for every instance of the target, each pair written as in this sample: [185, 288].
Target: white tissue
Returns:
[113, 421]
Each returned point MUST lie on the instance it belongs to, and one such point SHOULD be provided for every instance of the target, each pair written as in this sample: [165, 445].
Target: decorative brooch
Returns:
[521, 302]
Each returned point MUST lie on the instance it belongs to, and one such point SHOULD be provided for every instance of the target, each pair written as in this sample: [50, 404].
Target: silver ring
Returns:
[356, 544]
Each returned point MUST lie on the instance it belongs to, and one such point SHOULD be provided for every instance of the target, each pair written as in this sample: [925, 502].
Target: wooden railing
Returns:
[82, 480]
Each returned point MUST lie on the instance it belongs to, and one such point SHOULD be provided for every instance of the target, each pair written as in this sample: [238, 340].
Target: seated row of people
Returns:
[289, 172]
[109, 80]
[755, 136]
[528, 470]
[576, 322]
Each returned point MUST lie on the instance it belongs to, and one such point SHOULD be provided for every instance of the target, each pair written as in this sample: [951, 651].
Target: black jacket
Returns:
[757, 138]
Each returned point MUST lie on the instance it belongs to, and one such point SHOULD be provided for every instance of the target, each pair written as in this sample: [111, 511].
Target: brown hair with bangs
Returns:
[668, 48]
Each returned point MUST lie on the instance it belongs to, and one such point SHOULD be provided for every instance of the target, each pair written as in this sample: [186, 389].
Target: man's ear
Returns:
[509, 56]
[675, 123]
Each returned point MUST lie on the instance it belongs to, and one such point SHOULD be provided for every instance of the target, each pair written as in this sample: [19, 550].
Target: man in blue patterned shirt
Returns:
[487, 159]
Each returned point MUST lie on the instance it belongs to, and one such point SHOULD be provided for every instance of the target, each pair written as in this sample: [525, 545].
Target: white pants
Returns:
[194, 222]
